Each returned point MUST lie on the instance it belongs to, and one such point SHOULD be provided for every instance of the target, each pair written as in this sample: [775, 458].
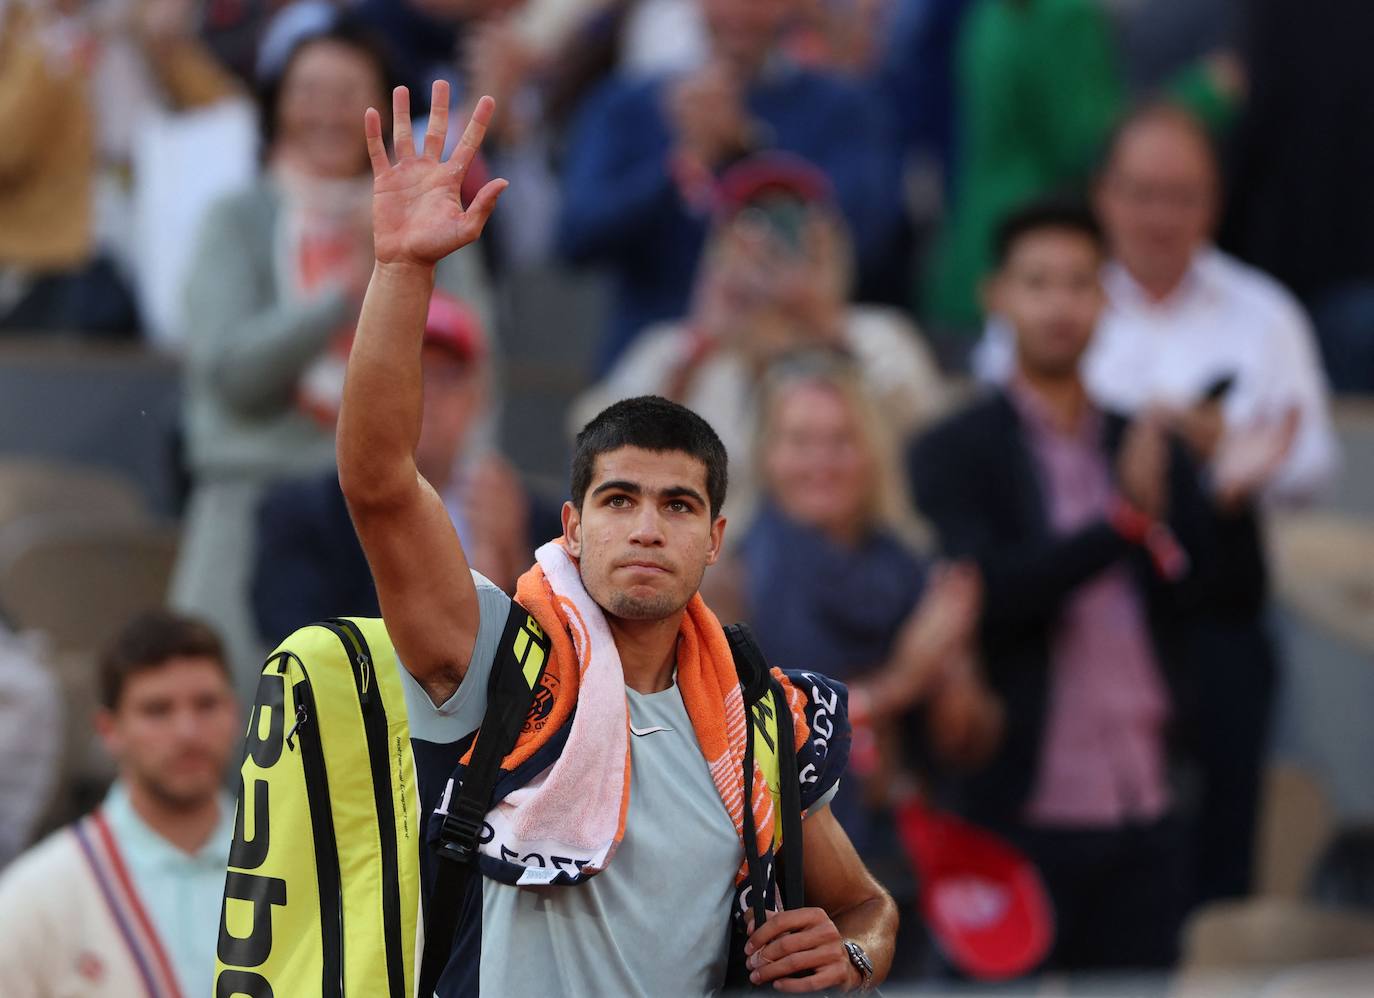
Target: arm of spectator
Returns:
[859, 154]
[1224, 545]
[1024, 582]
[250, 351]
[424, 585]
[31, 94]
[1313, 459]
[190, 76]
[617, 184]
[1082, 88]
[31, 722]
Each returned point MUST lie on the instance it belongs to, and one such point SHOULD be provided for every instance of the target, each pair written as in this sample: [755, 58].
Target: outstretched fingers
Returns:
[401, 139]
[376, 149]
[437, 131]
[471, 141]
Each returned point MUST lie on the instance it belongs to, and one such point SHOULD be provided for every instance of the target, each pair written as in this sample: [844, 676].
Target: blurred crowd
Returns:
[1018, 319]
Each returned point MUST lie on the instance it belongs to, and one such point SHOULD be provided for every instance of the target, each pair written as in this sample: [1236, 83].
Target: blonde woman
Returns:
[830, 578]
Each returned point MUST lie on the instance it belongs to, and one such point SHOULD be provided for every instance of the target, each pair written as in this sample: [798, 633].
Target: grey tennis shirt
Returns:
[655, 922]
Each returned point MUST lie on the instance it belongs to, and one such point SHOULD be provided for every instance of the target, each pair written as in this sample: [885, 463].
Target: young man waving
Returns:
[631, 770]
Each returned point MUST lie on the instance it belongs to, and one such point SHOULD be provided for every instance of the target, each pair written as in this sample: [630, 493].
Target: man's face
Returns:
[1050, 292]
[743, 32]
[644, 534]
[173, 730]
[454, 396]
[1158, 199]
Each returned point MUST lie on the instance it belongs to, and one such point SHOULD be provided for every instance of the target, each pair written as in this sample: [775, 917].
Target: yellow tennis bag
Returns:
[322, 895]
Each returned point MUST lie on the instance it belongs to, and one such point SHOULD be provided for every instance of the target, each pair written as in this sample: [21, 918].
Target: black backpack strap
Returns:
[789, 785]
[756, 682]
[521, 658]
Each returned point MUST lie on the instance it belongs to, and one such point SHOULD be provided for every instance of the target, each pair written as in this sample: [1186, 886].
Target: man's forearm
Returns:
[873, 925]
[379, 421]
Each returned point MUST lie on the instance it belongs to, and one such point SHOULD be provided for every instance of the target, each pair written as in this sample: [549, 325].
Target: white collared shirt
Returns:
[1224, 319]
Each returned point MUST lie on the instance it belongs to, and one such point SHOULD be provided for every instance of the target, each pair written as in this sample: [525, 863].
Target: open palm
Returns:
[417, 214]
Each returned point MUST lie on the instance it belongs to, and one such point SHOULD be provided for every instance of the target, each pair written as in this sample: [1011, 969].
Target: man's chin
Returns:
[183, 794]
[634, 606]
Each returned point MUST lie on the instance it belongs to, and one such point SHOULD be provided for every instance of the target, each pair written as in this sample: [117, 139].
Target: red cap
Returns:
[772, 173]
[453, 325]
[984, 902]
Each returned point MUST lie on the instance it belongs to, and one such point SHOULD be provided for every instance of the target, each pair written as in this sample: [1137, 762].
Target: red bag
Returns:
[983, 901]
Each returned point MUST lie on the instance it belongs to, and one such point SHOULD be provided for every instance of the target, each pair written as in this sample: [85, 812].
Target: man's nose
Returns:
[648, 527]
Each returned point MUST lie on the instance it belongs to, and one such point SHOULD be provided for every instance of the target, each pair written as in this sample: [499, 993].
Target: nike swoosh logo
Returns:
[647, 731]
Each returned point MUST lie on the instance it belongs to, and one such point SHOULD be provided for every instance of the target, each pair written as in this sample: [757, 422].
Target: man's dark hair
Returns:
[1059, 213]
[150, 641]
[653, 424]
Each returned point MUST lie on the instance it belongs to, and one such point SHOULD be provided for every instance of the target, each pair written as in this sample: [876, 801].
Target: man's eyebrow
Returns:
[681, 491]
[618, 485]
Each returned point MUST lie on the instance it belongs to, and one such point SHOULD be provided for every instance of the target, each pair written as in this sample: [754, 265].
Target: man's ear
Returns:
[108, 730]
[572, 530]
[717, 540]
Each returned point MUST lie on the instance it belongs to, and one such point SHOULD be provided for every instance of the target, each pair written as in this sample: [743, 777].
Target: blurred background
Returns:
[783, 214]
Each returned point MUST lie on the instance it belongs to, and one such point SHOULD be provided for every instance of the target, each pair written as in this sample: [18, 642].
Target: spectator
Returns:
[74, 83]
[1186, 321]
[1075, 519]
[1185, 314]
[1231, 355]
[642, 161]
[827, 573]
[127, 900]
[917, 77]
[309, 564]
[774, 278]
[1301, 199]
[273, 296]
[1038, 88]
[32, 720]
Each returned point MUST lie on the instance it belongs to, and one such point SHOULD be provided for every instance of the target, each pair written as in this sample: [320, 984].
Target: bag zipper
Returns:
[326, 843]
[376, 733]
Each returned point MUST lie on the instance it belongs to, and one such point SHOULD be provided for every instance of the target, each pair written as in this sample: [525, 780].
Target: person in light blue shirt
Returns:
[126, 901]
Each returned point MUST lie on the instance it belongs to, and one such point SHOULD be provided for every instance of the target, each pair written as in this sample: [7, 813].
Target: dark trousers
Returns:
[1119, 894]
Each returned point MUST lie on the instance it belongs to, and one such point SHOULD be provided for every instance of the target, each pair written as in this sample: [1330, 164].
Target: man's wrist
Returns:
[403, 271]
[860, 979]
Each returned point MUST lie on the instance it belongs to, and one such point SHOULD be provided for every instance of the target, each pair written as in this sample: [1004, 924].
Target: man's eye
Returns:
[618, 502]
[678, 506]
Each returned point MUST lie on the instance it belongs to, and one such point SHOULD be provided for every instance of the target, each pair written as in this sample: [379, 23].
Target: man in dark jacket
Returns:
[1097, 549]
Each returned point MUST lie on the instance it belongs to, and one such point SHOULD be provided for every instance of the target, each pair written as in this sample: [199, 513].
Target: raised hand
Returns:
[417, 214]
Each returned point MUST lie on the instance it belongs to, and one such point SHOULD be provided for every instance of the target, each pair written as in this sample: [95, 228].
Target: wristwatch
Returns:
[861, 963]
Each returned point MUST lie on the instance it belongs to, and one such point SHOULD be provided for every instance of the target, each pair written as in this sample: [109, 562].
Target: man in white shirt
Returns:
[1221, 345]
[1229, 356]
[1185, 321]
[126, 901]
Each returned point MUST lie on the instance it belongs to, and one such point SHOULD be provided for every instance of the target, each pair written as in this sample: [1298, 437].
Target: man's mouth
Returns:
[645, 566]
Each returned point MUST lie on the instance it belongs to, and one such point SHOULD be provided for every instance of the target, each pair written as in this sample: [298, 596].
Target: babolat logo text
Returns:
[248, 852]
